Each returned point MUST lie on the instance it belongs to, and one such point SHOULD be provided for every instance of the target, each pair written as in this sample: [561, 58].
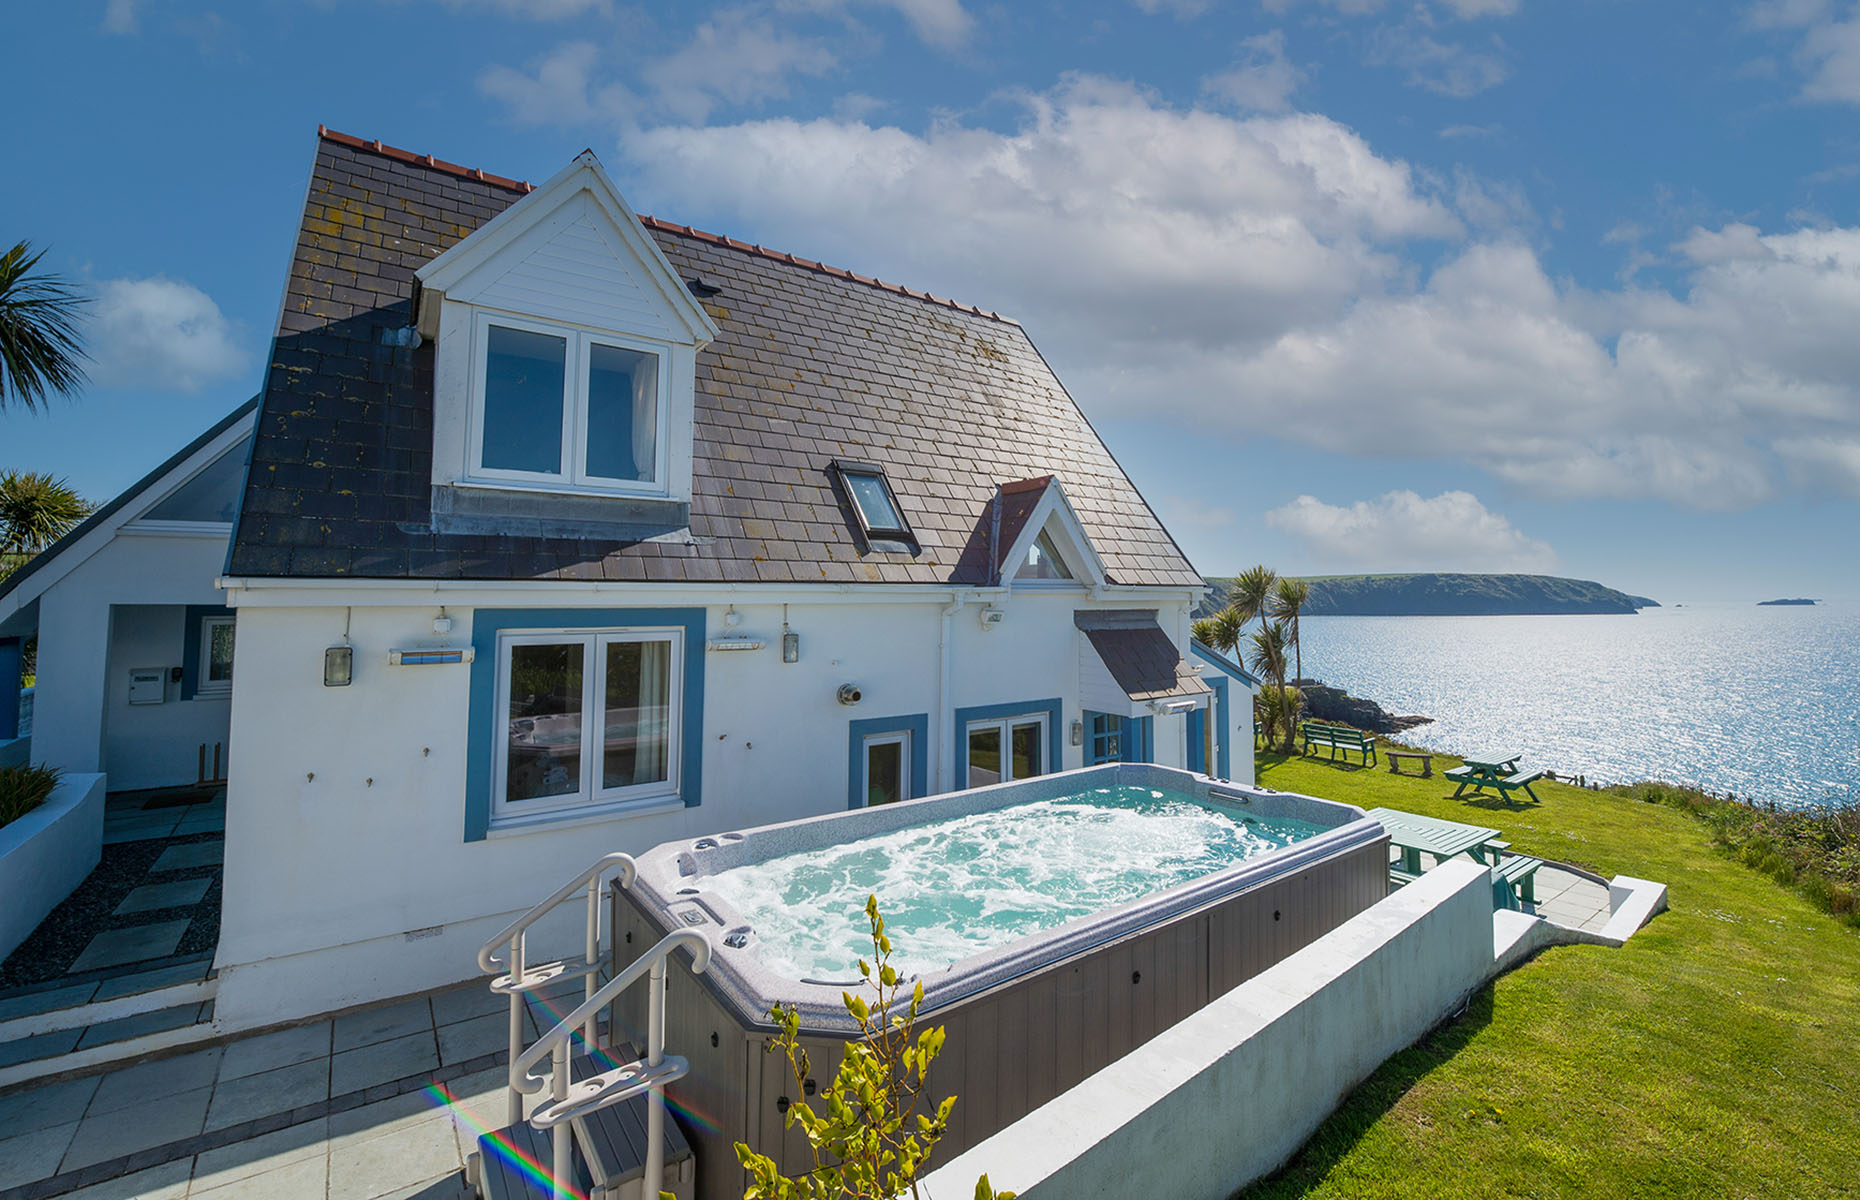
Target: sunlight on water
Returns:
[1764, 702]
[952, 889]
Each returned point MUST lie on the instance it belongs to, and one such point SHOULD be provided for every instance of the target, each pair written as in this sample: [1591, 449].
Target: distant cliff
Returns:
[1450, 595]
[1769, 603]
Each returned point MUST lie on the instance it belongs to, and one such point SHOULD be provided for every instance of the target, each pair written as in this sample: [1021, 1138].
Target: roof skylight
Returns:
[873, 502]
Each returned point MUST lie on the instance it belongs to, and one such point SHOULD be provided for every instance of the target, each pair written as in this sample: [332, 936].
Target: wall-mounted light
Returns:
[442, 624]
[992, 616]
[339, 666]
[790, 640]
[1078, 733]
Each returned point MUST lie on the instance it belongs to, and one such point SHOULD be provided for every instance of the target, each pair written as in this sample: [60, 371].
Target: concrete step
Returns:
[98, 1043]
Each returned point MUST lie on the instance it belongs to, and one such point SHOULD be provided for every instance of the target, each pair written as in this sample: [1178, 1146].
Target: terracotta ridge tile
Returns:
[422, 160]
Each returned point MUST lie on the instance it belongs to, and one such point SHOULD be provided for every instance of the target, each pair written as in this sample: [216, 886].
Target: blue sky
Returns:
[1563, 285]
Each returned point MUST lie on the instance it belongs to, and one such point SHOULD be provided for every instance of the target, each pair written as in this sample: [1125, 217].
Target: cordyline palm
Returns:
[1283, 606]
[39, 347]
[1266, 656]
[1221, 631]
[35, 511]
[1252, 589]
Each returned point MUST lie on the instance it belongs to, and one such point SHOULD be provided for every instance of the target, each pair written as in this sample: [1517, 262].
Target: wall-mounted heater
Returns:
[430, 656]
[735, 643]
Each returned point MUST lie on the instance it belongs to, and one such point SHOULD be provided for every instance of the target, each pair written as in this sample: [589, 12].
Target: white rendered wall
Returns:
[156, 745]
[1230, 1093]
[328, 873]
[76, 673]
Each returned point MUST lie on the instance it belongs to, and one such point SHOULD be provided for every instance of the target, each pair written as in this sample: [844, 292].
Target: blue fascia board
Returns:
[916, 724]
[994, 712]
[1227, 665]
[487, 623]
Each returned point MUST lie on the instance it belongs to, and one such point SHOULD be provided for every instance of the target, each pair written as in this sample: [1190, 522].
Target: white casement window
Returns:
[587, 718]
[1014, 748]
[216, 657]
[887, 768]
[562, 408]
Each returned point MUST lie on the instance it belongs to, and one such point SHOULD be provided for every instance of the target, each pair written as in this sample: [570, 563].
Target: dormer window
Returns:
[1043, 561]
[566, 407]
[873, 503]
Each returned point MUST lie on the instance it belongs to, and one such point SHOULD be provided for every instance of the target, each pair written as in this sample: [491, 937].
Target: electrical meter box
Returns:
[148, 685]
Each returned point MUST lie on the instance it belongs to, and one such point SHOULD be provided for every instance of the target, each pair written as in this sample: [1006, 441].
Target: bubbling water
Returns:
[954, 888]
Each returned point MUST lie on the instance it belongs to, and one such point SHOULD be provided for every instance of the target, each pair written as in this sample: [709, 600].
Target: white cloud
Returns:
[944, 24]
[1457, 132]
[1230, 273]
[1824, 464]
[1261, 79]
[1182, 10]
[161, 334]
[534, 10]
[1447, 68]
[1830, 56]
[734, 58]
[120, 16]
[560, 88]
[1463, 9]
[1401, 531]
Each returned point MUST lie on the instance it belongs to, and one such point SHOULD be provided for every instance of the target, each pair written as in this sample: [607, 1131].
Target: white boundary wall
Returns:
[47, 853]
[1229, 1094]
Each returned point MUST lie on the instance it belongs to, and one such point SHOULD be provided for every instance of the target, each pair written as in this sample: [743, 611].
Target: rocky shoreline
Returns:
[1325, 703]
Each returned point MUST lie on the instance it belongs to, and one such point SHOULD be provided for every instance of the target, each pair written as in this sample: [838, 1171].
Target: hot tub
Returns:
[1056, 923]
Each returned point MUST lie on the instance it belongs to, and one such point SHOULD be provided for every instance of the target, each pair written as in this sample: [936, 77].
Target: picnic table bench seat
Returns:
[1338, 737]
[1519, 871]
[1479, 780]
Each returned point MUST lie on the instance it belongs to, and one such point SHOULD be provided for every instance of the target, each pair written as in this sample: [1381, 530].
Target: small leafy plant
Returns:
[23, 789]
[870, 1141]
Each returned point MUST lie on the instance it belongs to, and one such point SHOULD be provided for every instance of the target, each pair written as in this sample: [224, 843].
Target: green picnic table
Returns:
[1497, 770]
[1412, 833]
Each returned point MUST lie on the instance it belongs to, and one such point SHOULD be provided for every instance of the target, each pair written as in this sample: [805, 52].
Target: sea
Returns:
[1759, 701]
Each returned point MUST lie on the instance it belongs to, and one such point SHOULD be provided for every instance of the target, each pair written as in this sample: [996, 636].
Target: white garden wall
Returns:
[348, 877]
[1229, 1094]
[47, 853]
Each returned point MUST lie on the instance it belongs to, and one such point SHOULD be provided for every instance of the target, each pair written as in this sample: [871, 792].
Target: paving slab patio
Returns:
[208, 1123]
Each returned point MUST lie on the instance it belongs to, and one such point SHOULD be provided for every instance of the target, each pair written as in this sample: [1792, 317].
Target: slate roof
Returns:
[813, 364]
[1139, 655]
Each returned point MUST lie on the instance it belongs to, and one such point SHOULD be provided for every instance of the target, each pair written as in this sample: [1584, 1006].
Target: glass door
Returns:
[999, 751]
[885, 779]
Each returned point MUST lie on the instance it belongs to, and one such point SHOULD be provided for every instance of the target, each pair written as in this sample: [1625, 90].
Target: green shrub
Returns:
[23, 789]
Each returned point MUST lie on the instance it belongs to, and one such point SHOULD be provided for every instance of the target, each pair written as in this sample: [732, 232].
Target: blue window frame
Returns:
[198, 616]
[1046, 710]
[915, 732]
[482, 736]
[1110, 738]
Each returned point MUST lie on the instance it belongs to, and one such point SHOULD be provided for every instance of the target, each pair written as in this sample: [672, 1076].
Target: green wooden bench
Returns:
[1519, 872]
[1399, 877]
[1338, 737]
[1478, 781]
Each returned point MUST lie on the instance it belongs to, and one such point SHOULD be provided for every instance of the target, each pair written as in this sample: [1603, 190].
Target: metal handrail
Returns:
[628, 871]
[556, 1043]
[516, 933]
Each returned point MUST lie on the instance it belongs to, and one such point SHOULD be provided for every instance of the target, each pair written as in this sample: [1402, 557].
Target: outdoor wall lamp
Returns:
[339, 666]
[790, 640]
[1078, 733]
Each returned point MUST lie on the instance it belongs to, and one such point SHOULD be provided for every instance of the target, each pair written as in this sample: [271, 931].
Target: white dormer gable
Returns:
[572, 250]
[1052, 534]
[564, 369]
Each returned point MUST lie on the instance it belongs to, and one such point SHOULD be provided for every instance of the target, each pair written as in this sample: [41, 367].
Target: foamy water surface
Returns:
[955, 888]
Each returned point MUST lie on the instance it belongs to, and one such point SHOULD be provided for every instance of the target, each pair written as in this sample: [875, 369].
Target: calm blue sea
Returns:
[1764, 702]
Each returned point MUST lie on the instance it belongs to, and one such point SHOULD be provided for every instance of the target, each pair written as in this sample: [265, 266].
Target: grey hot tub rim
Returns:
[669, 888]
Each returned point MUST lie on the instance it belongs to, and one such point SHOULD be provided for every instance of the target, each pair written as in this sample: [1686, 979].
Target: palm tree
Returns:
[39, 348]
[1252, 589]
[35, 511]
[1266, 656]
[1221, 631]
[1283, 606]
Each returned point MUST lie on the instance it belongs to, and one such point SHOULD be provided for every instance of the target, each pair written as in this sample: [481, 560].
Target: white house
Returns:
[135, 645]
[528, 465]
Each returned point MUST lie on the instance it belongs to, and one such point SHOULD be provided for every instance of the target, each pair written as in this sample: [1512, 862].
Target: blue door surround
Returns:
[917, 725]
[1050, 709]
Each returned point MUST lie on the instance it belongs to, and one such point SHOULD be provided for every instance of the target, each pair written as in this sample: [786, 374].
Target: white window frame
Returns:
[1006, 726]
[902, 740]
[588, 797]
[205, 686]
[574, 476]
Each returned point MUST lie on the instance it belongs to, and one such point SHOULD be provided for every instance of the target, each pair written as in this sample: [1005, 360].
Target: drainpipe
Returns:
[946, 738]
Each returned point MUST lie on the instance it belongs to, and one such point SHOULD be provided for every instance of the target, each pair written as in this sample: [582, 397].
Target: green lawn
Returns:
[1716, 1054]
